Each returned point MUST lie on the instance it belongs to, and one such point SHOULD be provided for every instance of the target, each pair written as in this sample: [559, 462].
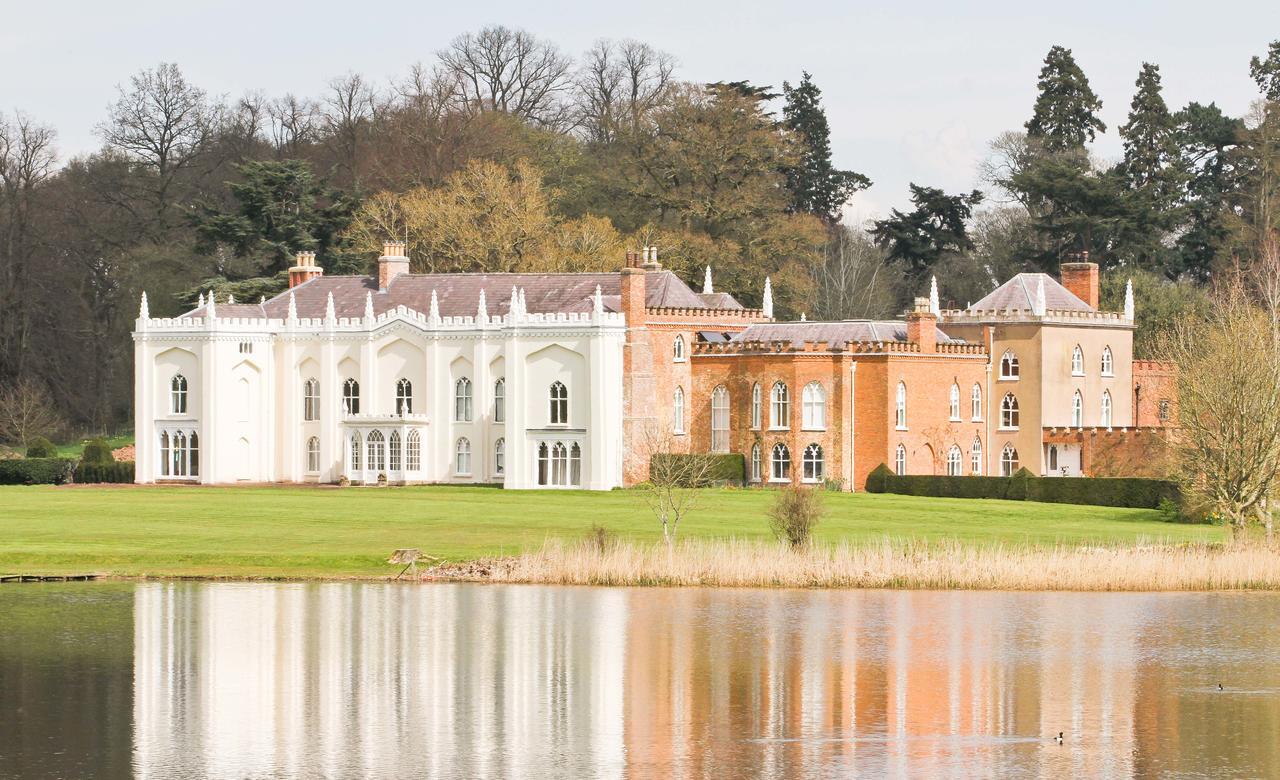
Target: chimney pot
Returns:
[304, 268]
[393, 262]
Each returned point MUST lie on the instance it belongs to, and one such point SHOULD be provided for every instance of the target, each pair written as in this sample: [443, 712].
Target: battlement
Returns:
[1051, 316]
[784, 347]
[705, 314]
[1154, 367]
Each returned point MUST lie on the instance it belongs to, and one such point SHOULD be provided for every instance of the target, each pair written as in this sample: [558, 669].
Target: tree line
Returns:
[505, 153]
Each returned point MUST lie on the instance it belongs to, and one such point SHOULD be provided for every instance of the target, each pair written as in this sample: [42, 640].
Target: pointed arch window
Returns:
[356, 448]
[462, 457]
[720, 419]
[575, 464]
[814, 407]
[900, 460]
[404, 397]
[311, 400]
[179, 452]
[193, 454]
[975, 402]
[1077, 410]
[500, 400]
[900, 407]
[780, 407]
[1008, 365]
[755, 406]
[559, 397]
[164, 453]
[462, 400]
[559, 464]
[955, 461]
[975, 456]
[376, 451]
[1008, 461]
[313, 455]
[677, 410]
[351, 396]
[1108, 362]
[394, 451]
[756, 465]
[812, 463]
[677, 349]
[544, 464]
[500, 457]
[413, 451]
[954, 404]
[178, 394]
[1009, 412]
[780, 463]
[1105, 420]
[1077, 361]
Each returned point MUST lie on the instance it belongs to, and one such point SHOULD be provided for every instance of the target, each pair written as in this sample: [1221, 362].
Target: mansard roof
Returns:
[842, 332]
[1019, 293]
[459, 294]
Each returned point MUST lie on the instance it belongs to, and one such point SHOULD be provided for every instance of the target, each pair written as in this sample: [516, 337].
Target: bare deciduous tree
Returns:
[26, 410]
[1228, 446]
[501, 69]
[852, 280]
[347, 110]
[618, 84]
[164, 123]
[26, 161]
[294, 124]
[674, 480]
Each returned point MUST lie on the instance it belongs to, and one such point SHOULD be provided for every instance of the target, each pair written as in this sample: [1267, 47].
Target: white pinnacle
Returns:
[707, 288]
[200, 301]
[144, 311]
[933, 297]
[766, 304]
[482, 310]
[1038, 307]
[368, 306]
[213, 308]
[330, 315]
[1128, 300]
[293, 308]
[434, 312]
[597, 302]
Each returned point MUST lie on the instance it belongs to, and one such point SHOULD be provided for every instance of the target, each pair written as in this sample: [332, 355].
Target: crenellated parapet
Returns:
[1110, 319]
[709, 315]
[785, 347]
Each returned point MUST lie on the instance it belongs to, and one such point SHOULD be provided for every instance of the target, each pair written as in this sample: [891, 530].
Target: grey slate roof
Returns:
[459, 294]
[832, 332]
[719, 300]
[1020, 293]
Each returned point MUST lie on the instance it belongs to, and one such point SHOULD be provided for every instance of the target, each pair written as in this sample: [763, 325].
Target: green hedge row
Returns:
[36, 471]
[118, 472]
[728, 468]
[1025, 486]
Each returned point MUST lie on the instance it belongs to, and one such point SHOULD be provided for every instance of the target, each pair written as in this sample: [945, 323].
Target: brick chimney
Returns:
[393, 263]
[922, 326]
[304, 269]
[639, 415]
[651, 263]
[1081, 277]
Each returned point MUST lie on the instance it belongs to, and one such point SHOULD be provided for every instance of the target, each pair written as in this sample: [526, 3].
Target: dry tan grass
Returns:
[736, 563]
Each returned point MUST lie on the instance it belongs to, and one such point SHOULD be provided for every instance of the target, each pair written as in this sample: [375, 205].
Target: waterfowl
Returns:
[1058, 738]
[1220, 686]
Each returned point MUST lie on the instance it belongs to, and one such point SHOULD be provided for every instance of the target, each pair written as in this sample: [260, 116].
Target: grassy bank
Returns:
[331, 532]
[888, 564]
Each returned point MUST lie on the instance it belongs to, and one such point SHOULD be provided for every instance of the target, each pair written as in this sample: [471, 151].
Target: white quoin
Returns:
[766, 303]
[707, 288]
[933, 297]
[1128, 300]
[1039, 306]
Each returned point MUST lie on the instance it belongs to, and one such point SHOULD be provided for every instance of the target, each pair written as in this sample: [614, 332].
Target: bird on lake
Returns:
[1220, 686]
[1058, 738]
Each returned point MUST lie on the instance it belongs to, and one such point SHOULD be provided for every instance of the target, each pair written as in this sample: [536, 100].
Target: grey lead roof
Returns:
[1020, 293]
[834, 333]
[459, 294]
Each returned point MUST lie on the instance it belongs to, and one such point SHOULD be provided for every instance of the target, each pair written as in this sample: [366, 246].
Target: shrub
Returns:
[877, 478]
[36, 471]
[794, 513]
[40, 447]
[113, 472]
[97, 452]
[1019, 484]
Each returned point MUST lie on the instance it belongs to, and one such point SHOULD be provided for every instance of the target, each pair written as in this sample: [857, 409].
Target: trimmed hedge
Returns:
[728, 468]
[97, 452]
[116, 472]
[36, 471]
[1025, 486]
[40, 447]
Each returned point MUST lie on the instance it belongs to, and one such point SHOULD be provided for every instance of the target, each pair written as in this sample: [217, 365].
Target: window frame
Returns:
[757, 463]
[677, 411]
[757, 406]
[313, 455]
[462, 457]
[1010, 368]
[975, 456]
[813, 407]
[351, 396]
[558, 409]
[500, 457]
[1077, 361]
[780, 462]
[975, 403]
[311, 400]
[677, 349]
[813, 464]
[779, 406]
[500, 400]
[1010, 413]
[1108, 362]
[463, 408]
[953, 402]
[1106, 410]
[900, 407]
[404, 396]
[955, 461]
[179, 389]
[720, 419]
[1077, 409]
[1009, 460]
[900, 460]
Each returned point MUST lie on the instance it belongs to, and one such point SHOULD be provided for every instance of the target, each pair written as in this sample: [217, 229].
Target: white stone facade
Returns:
[523, 400]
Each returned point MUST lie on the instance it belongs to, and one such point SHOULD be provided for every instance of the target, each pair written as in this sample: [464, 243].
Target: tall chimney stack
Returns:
[1081, 277]
[922, 326]
[304, 269]
[392, 263]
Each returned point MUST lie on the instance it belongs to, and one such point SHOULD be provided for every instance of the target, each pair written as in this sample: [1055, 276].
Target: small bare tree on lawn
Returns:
[26, 410]
[674, 481]
[794, 514]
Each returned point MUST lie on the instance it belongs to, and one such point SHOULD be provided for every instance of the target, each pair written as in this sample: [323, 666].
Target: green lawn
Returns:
[301, 532]
[312, 532]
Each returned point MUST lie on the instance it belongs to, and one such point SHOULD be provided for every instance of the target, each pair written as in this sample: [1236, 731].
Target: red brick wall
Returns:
[1155, 382]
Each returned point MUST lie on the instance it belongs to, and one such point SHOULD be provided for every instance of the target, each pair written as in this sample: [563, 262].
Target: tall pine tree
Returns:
[1153, 177]
[816, 186]
[1207, 139]
[1065, 116]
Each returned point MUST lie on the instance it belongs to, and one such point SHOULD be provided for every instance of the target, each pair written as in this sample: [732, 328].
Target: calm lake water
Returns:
[371, 680]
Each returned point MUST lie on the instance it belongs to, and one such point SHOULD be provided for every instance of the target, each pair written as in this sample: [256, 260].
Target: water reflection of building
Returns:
[360, 680]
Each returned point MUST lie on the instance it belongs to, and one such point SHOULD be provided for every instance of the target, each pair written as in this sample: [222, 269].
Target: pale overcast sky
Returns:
[913, 90]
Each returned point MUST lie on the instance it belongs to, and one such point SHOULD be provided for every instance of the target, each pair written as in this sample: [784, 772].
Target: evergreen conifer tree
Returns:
[1065, 116]
[817, 187]
[1153, 177]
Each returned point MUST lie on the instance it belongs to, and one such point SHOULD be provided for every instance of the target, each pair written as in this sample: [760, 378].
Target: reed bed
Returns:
[887, 564]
